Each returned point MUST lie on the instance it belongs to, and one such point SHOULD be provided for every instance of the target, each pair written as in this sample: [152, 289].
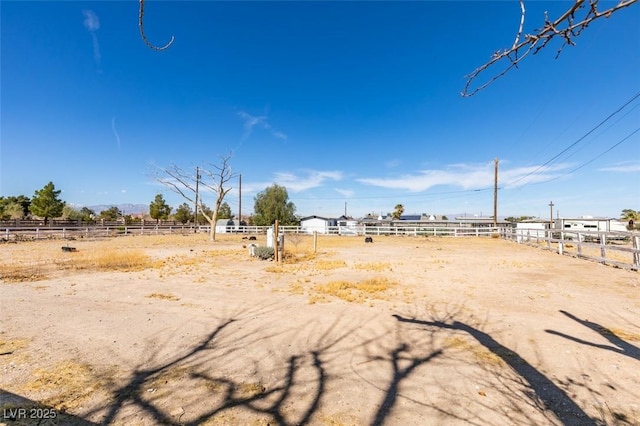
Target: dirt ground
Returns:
[147, 330]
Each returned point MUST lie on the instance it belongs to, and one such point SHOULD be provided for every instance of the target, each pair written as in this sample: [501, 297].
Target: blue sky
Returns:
[340, 102]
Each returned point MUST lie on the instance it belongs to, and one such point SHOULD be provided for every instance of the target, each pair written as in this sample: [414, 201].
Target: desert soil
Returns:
[150, 330]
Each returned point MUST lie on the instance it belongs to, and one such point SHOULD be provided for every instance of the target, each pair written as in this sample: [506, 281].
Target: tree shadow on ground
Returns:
[21, 411]
[539, 389]
[399, 374]
[299, 379]
[621, 346]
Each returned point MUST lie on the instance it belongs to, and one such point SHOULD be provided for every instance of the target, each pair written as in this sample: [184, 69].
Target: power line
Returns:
[636, 96]
[586, 163]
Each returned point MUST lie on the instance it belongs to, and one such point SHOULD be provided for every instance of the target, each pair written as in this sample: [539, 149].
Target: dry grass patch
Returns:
[8, 347]
[67, 385]
[620, 334]
[483, 355]
[296, 288]
[22, 272]
[277, 269]
[374, 266]
[162, 296]
[357, 292]
[118, 260]
[291, 257]
[328, 264]
[107, 260]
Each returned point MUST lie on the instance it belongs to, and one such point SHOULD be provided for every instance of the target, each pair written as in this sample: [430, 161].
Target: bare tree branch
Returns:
[215, 178]
[142, 34]
[568, 26]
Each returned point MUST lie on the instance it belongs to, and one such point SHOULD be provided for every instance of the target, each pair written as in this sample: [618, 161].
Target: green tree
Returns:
[203, 212]
[225, 211]
[84, 214]
[397, 212]
[70, 213]
[630, 214]
[273, 204]
[14, 207]
[112, 213]
[11, 210]
[87, 214]
[46, 204]
[159, 209]
[183, 213]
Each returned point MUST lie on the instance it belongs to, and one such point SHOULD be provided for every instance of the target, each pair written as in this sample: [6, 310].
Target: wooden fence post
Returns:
[315, 241]
[275, 242]
[636, 253]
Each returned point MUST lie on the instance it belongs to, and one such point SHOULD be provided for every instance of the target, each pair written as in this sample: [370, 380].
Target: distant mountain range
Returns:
[124, 208]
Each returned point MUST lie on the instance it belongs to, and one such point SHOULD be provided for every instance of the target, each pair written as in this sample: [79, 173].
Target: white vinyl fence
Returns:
[620, 249]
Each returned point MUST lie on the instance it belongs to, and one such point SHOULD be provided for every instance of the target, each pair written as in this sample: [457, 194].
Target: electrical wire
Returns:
[586, 163]
[555, 157]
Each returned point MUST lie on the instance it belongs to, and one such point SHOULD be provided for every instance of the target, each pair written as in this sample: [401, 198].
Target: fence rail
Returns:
[112, 230]
[621, 249]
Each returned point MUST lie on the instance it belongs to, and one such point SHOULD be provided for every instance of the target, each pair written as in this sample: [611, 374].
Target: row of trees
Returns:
[45, 204]
[270, 205]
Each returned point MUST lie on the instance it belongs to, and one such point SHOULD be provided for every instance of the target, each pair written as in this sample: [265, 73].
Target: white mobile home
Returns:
[590, 224]
[311, 224]
[587, 223]
[347, 225]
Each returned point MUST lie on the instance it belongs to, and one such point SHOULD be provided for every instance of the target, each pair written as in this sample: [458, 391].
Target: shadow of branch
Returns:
[543, 390]
[621, 346]
[289, 392]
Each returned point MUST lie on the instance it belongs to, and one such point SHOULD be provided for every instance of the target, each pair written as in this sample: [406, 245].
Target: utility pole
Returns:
[240, 200]
[495, 193]
[551, 214]
[195, 220]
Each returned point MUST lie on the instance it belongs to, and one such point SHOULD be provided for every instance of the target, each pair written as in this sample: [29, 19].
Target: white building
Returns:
[347, 225]
[311, 224]
[588, 223]
[224, 226]
[529, 230]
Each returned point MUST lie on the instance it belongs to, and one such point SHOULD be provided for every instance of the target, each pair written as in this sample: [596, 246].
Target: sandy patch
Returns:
[177, 330]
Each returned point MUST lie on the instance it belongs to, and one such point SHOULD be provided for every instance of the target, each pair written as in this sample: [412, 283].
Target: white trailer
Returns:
[589, 227]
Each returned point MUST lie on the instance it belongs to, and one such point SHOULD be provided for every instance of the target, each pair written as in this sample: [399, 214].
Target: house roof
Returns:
[343, 217]
[410, 217]
[314, 217]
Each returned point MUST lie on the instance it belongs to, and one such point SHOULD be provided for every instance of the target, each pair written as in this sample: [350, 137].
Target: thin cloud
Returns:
[464, 176]
[313, 179]
[113, 127]
[622, 168]
[92, 24]
[345, 192]
[251, 122]
[393, 163]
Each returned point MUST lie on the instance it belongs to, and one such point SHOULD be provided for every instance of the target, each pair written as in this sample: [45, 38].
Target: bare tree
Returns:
[566, 27]
[213, 178]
